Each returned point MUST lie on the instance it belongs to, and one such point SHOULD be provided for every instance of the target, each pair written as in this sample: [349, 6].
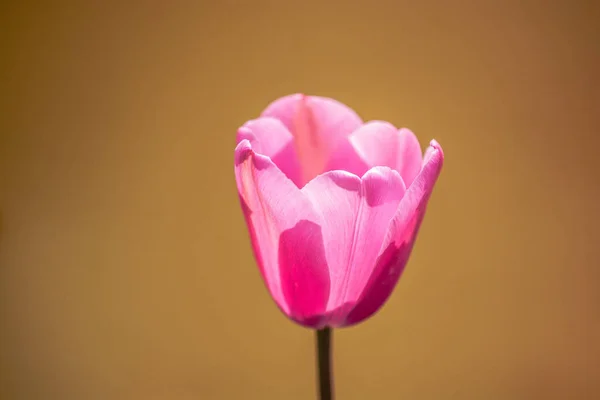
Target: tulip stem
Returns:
[324, 363]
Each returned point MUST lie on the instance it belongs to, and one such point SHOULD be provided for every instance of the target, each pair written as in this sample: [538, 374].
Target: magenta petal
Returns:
[399, 239]
[302, 261]
[318, 125]
[269, 137]
[285, 234]
[356, 214]
[380, 143]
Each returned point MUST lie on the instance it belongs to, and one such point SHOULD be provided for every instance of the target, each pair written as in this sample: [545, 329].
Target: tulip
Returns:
[333, 206]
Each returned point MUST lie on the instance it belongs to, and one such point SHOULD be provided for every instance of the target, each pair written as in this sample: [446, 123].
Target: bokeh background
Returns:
[125, 267]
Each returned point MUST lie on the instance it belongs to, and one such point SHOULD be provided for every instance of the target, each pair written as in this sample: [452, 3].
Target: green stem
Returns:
[324, 364]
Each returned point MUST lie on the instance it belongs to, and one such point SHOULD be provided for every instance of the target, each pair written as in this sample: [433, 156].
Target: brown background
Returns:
[126, 272]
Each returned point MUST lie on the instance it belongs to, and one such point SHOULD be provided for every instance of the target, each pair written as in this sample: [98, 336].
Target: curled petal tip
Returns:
[378, 171]
[434, 143]
[242, 151]
[243, 145]
[434, 147]
[246, 132]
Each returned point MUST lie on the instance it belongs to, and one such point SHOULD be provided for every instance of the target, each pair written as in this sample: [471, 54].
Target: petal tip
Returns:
[434, 149]
[434, 143]
[242, 151]
[379, 171]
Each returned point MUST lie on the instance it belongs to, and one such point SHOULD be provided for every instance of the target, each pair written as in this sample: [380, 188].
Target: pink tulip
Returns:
[332, 204]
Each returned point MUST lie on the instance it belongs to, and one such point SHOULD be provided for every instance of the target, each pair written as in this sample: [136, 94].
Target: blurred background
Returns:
[125, 265]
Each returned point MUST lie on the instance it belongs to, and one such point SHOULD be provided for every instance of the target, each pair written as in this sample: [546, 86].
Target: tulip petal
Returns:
[304, 272]
[380, 143]
[318, 125]
[286, 236]
[269, 137]
[399, 239]
[356, 214]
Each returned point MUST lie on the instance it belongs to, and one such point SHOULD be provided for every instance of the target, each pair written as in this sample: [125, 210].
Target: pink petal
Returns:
[304, 272]
[356, 214]
[380, 143]
[399, 239]
[269, 137]
[318, 124]
[286, 236]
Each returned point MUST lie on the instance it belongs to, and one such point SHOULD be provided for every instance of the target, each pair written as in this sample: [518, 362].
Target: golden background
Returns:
[125, 266]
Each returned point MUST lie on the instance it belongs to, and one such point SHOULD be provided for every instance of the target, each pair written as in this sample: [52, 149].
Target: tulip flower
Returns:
[333, 206]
